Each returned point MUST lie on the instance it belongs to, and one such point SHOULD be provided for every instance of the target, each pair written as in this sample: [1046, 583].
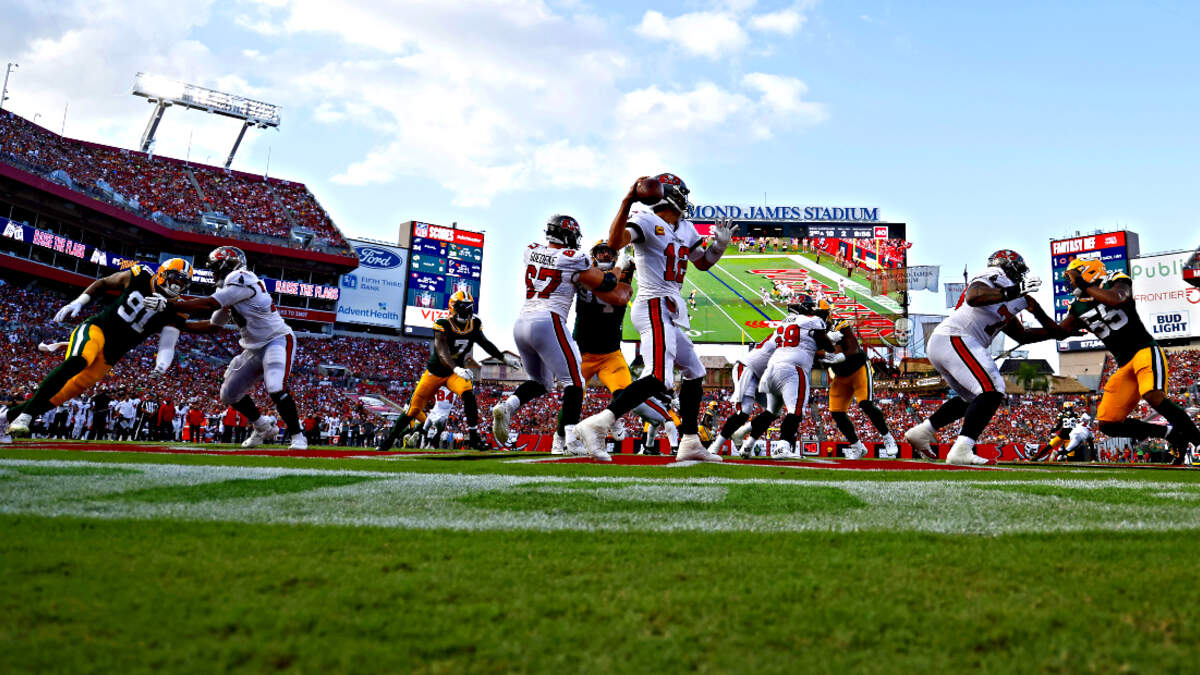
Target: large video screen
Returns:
[744, 297]
[441, 260]
[1114, 249]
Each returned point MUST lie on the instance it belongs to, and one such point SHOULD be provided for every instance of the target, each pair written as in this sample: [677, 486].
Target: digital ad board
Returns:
[373, 294]
[1167, 304]
[441, 260]
[1114, 249]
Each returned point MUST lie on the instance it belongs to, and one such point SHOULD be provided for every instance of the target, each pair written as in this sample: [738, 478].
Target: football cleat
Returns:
[572, 445]
[299, 442]
[591, 433]
[746, 449]
[781, 450]
[739, 434]
[501, 417]
[20, 426]
[5, 437]
[672, 433]
[964, 454]
[557, 447]
[265, 431]
[618, 431]
[920, 438]
[563, 230]
[173, 277]
[890, 449]
[691, 449]
[856, 451]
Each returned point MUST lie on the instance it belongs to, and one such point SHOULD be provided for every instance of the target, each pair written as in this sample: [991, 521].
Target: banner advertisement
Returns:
[1167, 304]
[373, 294]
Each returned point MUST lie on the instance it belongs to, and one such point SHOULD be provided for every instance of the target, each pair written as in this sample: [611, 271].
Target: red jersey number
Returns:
[534, 273]
[676, 265]
[788, 336]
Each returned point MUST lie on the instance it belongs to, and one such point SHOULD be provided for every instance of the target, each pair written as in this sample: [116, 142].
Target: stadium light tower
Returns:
[4, 91]
[164, 92]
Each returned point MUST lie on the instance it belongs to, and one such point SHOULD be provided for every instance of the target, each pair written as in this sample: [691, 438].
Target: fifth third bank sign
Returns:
[373, 294]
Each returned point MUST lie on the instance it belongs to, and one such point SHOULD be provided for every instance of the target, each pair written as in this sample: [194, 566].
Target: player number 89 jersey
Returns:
[550, 275]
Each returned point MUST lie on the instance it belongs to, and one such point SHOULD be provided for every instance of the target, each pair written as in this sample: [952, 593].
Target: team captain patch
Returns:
[658, 229]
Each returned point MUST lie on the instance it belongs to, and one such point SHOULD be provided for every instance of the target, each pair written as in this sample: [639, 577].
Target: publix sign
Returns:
[815, 214]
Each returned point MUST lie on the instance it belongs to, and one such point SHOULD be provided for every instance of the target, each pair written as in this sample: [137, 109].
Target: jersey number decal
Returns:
[1005, 317]
[533, 273]
[789, 336]
[459, 347]
[1102, 321]
[134, 306]
[676, 266]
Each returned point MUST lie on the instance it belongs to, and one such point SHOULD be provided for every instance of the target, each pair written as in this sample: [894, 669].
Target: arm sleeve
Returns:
[635, 232]
[230, 295]
[166, 348]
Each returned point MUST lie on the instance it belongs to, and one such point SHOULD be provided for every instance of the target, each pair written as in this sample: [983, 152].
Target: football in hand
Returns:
[649, 191]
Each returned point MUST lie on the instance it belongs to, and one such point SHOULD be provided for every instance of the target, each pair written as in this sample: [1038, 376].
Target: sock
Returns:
[286, 405]
[874, 414]
[690, 393]
[788, 428]
[760, 424]
[842, 420]
[732, 424]
[1136, 430]
[718, 441]
[979, 413]
[572, 404]
[1177, 417]
[51, 385]
[248, 409]
[471, 408]
[633, 396]
[952, 410]
[526, 392]
[393, 435]
[513, 402]
[966, 440]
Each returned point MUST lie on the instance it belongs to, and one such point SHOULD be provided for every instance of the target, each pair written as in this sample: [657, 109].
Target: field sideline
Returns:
[463, 562]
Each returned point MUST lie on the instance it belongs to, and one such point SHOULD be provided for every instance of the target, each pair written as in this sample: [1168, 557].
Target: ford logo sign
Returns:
[379, 258]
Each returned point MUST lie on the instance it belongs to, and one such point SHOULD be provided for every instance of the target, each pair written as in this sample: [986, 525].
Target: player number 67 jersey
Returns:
[550, 275]
[253, 310]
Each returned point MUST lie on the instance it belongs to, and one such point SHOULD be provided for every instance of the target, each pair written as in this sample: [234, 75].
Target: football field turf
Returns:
[728, 303]
[467, 562]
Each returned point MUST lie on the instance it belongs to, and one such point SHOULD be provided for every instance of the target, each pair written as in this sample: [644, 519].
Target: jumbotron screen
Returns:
[441, 260]
[744, 297]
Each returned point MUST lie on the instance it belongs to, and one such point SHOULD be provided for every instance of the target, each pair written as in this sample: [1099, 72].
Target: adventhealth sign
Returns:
[816, 214]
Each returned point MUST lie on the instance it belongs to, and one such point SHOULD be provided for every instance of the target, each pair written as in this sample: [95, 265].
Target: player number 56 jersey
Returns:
[984, 322]
[253, 310]
[550, 275]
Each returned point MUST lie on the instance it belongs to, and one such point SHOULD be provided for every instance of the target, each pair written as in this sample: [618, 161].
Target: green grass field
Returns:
[728, 302]
[136, 562]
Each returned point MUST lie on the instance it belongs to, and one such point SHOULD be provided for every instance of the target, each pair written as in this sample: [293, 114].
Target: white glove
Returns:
[512, 361]
[1030, 285]
[835, 336]
[723, 232]
[72, 309]
[835, 357]
[464, 373]
[623, 261]
[155, 302]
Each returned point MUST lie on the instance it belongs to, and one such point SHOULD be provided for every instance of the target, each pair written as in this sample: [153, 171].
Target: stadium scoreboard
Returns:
[1114, 249]
[441, 260]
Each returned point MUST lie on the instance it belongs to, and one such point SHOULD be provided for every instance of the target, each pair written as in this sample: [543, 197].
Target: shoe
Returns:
[573, 446]
[5, 437]
[299, 442]
[557, 448]
[501, 417]
[963, 454]
[856, 451]
[20, 426]
[690, 448]
[740, 434]
[782, 451]
[475, 442]
[746, 450]
[890, 449]
[715, 446]
[591, 433]
[265, 432]
[920, 437]
[618, 431]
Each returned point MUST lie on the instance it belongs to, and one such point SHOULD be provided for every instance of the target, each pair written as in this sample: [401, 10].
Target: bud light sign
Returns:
[1170, 325]
[374, 293]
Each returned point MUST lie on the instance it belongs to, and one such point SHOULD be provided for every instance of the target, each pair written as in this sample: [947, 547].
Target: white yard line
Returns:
[750, 288]
[718, 307]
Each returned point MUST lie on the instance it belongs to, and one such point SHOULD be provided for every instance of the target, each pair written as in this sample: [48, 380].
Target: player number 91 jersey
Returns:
[662, 252]
[984, 322]
[550, 275]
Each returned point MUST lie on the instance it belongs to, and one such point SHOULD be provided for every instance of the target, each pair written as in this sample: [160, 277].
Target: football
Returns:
[649, 191]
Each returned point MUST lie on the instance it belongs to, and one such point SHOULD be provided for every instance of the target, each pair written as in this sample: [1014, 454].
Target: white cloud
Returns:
[785, 96]
[784, 22]
[707, 34]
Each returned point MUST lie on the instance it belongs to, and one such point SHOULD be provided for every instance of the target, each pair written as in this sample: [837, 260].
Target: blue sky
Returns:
[982, 126]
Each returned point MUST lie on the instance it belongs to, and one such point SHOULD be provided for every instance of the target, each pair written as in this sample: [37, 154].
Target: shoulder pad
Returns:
[842, 325]
[240, 278]
[568, 252]
[1119, 276]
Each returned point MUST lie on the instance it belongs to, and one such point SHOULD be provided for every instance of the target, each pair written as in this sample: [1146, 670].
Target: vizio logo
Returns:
[379, 258]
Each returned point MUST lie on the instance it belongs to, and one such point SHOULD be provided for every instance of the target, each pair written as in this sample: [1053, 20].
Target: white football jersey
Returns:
[550, 275]
[443, 401]
[982, 323]
[756, 359]
[662, 252]
[253, 310]
[794, 343]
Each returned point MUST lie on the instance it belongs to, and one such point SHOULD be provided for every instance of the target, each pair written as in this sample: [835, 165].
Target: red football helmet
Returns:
[1011, 262]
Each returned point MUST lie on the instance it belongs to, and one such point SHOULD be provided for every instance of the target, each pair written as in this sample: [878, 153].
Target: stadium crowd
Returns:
[148, 184]
[184, 406]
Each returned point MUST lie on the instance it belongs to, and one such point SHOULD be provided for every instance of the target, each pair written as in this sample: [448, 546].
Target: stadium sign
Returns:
[378, 257]
[1114, 249]
[1168, 305]
[811, 214]
[373, 294]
